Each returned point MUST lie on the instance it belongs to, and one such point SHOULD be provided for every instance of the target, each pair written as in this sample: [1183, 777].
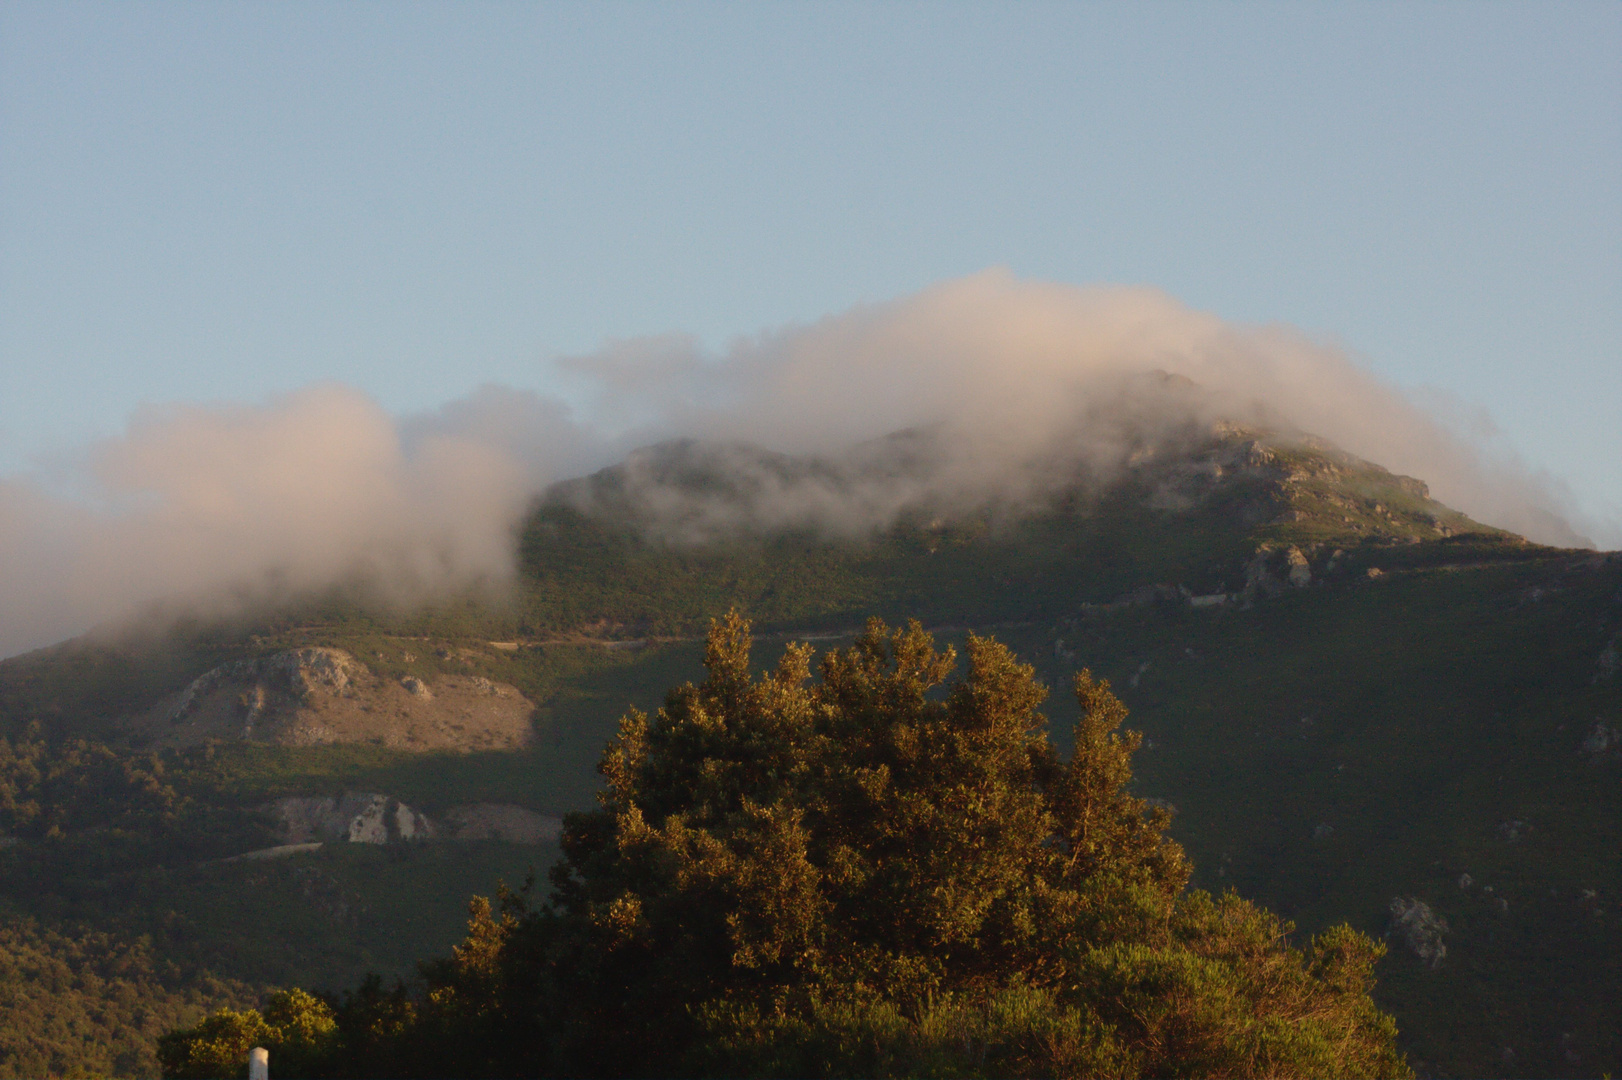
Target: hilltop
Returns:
[652, 546]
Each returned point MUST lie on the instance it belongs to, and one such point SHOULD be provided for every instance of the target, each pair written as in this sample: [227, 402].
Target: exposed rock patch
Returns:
[1300, 571]
[1418, 927]
[1270, 572]
[315, 696]
[1259, 577]
[356, 817]
[364, 817]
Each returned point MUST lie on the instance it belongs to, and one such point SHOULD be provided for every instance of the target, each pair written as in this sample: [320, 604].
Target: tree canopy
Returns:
[881, 871]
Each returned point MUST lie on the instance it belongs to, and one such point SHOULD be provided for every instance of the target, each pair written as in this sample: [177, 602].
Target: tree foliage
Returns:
[89, 1003]
[82, 802]
[47, 791]
[876, 872]
[298, 1028]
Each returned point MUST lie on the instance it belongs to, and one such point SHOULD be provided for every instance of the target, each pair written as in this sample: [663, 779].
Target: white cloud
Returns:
[214, 505]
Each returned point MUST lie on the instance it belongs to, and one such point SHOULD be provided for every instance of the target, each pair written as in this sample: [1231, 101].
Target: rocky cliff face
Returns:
[355, 817]
[362, 817]
[313, 696]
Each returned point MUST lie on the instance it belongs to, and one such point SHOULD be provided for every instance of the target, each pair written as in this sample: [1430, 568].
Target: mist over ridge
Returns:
[994, 378]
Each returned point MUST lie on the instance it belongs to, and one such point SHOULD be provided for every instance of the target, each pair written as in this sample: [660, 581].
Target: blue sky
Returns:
[225, 202]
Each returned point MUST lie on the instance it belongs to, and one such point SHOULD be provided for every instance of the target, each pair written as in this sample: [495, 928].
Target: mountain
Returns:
[1363, 705]
[652, 546]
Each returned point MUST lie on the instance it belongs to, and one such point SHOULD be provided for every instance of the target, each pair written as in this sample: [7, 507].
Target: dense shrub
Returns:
[89, 1003]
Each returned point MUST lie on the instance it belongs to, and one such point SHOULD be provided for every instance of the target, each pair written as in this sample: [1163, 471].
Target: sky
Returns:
[225, 204]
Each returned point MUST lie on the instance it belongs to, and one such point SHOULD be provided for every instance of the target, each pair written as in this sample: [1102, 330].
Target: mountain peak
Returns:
[1290, 485]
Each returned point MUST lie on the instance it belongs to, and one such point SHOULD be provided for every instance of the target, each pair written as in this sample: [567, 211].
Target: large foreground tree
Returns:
[874, 873]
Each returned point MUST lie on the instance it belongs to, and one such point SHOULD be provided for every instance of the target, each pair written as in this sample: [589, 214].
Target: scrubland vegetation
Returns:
[1422, 718]
[873, 874]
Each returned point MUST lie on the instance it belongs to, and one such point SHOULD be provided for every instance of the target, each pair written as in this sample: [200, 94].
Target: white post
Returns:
[259, 1064]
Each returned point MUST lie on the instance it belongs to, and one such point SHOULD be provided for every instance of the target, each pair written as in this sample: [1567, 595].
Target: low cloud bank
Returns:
[1014, 367]
[220, 506]
[215, 508]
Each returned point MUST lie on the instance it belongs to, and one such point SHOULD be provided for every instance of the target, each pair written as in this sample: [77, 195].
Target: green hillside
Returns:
[1351, 694]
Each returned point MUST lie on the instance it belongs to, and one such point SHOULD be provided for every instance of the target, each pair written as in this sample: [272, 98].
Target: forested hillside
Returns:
[1353, 700]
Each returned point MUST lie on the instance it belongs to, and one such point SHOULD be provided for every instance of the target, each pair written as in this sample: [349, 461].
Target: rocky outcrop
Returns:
[1419, 928]
[356, 817]
[316, 696]
[1271, 573]
[1299, 571]
[364, 817]
[1259, 578]
[298, 673]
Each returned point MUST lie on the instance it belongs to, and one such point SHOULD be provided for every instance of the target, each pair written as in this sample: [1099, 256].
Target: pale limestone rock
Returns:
[410, 825]
[1419, 928]
[356, 817]
[299, 672]
[1300, 571]
[369, 825]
